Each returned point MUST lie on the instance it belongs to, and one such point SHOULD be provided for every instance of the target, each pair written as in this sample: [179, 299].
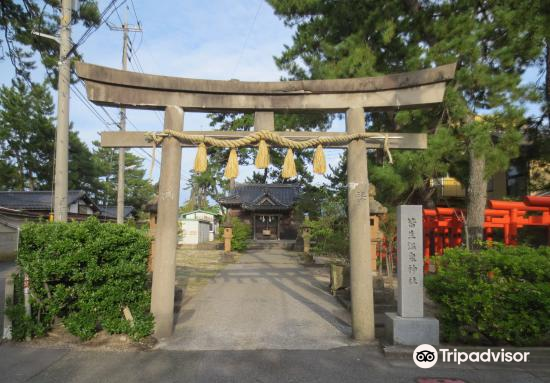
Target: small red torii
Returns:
[444, 227]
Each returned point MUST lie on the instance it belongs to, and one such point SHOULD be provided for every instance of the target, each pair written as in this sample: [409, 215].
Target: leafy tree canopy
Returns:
[27, 136]
[137, 190]
[27, 139]
[493, 43]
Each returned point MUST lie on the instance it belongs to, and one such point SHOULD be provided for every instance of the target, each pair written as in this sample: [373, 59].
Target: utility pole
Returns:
[61, 181]
[125, 28]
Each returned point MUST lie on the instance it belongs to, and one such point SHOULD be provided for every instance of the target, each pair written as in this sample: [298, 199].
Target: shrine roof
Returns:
[262, 196]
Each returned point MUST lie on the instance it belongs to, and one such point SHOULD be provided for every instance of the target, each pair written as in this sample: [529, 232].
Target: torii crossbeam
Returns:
[112, 87]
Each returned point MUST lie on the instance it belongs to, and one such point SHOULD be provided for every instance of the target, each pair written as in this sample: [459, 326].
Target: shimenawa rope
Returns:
[263, 137]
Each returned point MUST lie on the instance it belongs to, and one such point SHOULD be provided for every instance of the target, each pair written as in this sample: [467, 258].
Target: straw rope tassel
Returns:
[201, 162]
[289, 167]
[262, 159]
[232, 168]
[319, 162]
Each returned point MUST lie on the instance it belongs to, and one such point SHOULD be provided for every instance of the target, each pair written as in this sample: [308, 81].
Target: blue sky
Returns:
[215, 39]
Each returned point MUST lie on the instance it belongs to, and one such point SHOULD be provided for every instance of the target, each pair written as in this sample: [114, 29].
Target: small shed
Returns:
[197, 226]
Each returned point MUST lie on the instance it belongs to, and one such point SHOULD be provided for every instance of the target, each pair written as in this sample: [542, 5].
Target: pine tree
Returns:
[18, 19]
[27, 136]
[493, 44]
[137, 190]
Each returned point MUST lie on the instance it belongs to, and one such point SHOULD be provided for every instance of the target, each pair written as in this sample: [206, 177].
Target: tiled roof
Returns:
[110, 211]
[262, 196]
[37, 200]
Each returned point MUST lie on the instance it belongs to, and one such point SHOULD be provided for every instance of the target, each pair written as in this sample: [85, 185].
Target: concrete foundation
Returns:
[411, 331]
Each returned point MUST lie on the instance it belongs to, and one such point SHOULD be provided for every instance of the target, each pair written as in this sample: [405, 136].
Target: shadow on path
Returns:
[265, 301]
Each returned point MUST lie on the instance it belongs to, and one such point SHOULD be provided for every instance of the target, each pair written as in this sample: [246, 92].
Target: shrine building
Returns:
[268, 208]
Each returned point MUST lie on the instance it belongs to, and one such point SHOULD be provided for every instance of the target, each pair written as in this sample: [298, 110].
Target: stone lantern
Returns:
[306, 235]
[227, 236]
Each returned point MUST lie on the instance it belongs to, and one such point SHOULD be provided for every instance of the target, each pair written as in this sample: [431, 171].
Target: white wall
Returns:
[194, 232]
[8, 242]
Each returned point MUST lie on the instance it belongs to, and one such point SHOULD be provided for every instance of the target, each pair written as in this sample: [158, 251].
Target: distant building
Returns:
[520, 179]
[10, 222]
[39, 203]
[197, 226]
[18, 207]
[525, 175]
[268, 208]
[108, 213]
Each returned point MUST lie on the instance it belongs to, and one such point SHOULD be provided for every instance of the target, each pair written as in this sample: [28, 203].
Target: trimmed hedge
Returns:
[85, 273]
[500, 294]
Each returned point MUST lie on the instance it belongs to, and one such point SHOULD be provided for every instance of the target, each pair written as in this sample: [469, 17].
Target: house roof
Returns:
[264, 197]
[110, 211]
[8, 224]
[39, 200]
[200, 211]
[5, 211]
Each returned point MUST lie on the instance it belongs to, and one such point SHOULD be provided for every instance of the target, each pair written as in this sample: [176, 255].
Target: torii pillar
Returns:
[164, 263]
[362, 298]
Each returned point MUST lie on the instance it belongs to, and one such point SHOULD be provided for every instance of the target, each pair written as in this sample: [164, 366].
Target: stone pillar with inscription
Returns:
[409, 326]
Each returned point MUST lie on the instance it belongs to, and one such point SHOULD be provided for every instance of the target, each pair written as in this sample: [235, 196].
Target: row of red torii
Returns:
[112, 87]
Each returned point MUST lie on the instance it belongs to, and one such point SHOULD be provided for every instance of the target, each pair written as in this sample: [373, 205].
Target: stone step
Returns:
[384, 298]
[270, 245]
[380, 309]
[213, 245]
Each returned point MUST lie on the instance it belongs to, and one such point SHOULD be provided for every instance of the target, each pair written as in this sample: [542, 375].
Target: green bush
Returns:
[85, 273]
[498, 295]
[242, 232]
[329, 238]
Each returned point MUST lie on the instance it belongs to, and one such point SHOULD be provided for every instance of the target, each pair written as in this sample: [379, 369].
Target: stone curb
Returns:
[8, 291]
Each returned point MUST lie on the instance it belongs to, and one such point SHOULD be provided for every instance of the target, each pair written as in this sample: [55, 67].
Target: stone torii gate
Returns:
[113, 87]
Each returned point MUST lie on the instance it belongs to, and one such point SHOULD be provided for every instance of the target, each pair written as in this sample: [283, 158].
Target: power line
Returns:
[103, 17]
[139, 68]
[133, 56]
[134, 10]
[246, 39]
[84, 100]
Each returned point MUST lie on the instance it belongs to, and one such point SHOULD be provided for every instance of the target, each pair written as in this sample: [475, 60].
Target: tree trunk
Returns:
[477, 199]
[21, 169]
[547, 85]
